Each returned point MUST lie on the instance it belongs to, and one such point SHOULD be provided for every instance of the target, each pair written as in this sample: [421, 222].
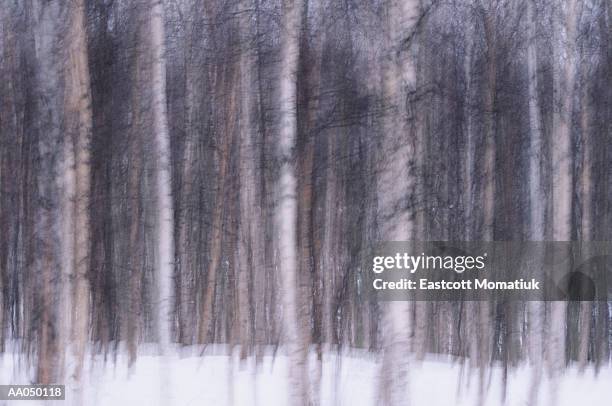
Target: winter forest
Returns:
[188, 189]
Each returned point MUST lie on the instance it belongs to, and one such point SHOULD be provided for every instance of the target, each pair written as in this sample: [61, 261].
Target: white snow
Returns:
[349, 379]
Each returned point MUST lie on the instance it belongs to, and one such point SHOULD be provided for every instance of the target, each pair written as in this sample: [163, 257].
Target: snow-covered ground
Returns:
[350, 379]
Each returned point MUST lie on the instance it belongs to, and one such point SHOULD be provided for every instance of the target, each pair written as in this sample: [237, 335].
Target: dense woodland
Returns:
[188, 172]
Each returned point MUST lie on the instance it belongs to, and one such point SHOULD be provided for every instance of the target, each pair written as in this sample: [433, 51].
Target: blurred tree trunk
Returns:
[164, 223]
[46, 171]
[307, 96]
[485, 321]
[77, 160]
[7, 122]
[131, 321]
[328, 255]
[250, 266]
[185, 244]
[395, 210]
[470, 309]
[585, 225]
[561, 146]
[601, 342]
[537, 199]
[224, 81]
[422, 310]
[165, 246]
[287, 214]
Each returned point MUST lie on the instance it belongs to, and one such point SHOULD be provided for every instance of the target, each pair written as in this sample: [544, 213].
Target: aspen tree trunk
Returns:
[223, 110]
[488, 201]
[485, 322]
[305, 148]
[471, 308]
[267, 279]
[185, 303]
[421, 314]
[469, 134]
[308, 89]
[132, 321]
[134, 289]
[248, 228]
[536, 193]
[537, 198]
[47, 118]
[286, 215]
[6, 55]
[562, 181]
[586, 228]
[164, 212]
[79, 119]
[330, 236]
[328, 261]
[224, 82]
[67, 274]
[165, 245]
[601, 346]
[136, 244]
[264, 277]
[395, 187]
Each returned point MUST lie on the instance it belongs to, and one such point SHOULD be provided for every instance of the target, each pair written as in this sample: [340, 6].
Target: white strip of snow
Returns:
[349, 379]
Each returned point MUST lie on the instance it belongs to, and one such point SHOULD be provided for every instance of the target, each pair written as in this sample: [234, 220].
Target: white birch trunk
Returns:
[537, 198]
[586, 229]
[164, 212]
[484, 321]
[471, 307]
[395, 186]
[286, 214]
[536, 195]
[562, 181]
[248, 237]
[165, 246]
[470, 144]
[328, 262]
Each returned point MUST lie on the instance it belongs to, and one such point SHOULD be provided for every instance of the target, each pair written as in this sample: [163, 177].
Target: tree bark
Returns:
[585, 225]
[562, 181]
[286, 215]
[77, 158]
[165, 245]
[396, 182]
[249, 226]
[535, 309]
[164, 213]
